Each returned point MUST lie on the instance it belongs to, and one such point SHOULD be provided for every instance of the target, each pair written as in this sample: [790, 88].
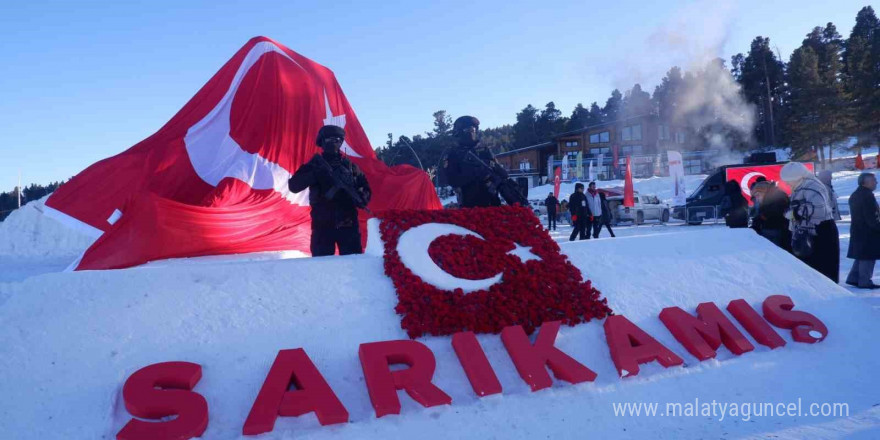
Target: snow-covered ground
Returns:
[69, 340]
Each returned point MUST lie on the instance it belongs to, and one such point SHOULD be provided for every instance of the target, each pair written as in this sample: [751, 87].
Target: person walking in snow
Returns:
[864, 242]
[606, 215]
[825, 178]
[577, 205]
[550, 202]
[334, 210]
[563, 206]
[734, 207]
[594, 211]
[815, 239]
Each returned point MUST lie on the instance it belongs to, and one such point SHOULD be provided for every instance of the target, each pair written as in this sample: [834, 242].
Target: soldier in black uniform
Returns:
[464, 171]
[334, 219]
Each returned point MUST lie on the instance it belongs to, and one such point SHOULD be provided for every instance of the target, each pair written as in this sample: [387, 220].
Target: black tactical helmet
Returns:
[465, 122]
[329, 131]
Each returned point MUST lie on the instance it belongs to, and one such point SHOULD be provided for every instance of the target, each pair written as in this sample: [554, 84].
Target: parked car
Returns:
[646, 207]
[538, 207]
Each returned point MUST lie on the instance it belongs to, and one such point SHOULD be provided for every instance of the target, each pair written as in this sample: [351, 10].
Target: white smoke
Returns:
[710, 101]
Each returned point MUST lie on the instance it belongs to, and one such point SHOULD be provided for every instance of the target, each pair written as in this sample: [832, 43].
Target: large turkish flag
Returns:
[213, 180]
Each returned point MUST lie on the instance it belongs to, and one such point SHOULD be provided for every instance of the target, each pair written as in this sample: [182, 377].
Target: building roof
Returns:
[530, 147]
[594, 126]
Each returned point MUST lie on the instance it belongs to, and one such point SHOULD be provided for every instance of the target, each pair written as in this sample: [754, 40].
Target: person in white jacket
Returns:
[815, 239]
[594, 211]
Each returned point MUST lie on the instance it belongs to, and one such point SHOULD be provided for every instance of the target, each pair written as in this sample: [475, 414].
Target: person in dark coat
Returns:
[577, 205]
[465, 171]
[606, 215]
[864, 241]
[550, 202]
[334, 219]
[770, 221]
[734, 207]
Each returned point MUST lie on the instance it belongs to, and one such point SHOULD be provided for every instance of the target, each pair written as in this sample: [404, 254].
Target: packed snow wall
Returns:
[71, 340]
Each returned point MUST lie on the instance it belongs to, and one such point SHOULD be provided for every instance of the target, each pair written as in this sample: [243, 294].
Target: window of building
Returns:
[679, 137]
[631, 149]
[663, 132]
[572, 143]
[594, 138]
[598, 151]
[636, 132]
[604, 137]
[693, 166]
[626, 134]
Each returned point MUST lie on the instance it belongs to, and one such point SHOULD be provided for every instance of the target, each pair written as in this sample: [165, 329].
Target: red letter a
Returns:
[631, 346]
[312, 394]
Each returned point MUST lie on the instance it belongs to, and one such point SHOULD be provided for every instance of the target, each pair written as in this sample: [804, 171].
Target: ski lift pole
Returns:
[413, 152]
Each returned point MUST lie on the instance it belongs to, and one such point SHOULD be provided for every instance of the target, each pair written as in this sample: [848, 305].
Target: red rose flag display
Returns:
[480, 270]
[213, 180]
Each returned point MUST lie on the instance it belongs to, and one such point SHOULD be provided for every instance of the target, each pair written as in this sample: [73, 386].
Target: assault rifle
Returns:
[342, 181]
[504, 186]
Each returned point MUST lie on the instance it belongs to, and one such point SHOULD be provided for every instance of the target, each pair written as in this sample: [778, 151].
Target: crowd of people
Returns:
[805, 223]
[587, 212]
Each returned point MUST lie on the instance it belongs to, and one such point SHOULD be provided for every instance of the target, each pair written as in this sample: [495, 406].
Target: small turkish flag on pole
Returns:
[628, 186]
[557, 180]
[860, 163]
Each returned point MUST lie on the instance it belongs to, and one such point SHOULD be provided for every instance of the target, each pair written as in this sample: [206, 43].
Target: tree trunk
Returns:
[830, 155]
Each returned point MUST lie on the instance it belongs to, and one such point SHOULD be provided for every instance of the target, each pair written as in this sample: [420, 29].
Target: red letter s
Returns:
[143, 400]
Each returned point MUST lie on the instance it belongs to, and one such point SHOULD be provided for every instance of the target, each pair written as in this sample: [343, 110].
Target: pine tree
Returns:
[666, 95]
[762, 77]
[613, 107]
[861, 74]
[802, 128]
[524, 130]
[637, 102]
[579, 117]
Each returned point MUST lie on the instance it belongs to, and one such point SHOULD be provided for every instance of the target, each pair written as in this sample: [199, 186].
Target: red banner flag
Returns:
[628, 199]
[557, 180]
[860, 163]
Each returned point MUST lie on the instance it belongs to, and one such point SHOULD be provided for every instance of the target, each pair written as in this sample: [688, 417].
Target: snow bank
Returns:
[28, 233]
[71, 339]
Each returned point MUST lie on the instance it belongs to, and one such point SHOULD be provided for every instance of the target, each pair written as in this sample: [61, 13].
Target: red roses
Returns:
[529, 293]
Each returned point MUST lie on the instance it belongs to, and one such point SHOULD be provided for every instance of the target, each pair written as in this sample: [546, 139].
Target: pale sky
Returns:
[82, 81]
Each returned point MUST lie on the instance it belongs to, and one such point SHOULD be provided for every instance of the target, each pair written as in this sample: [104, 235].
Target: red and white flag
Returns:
[213, 180]
[746, 176]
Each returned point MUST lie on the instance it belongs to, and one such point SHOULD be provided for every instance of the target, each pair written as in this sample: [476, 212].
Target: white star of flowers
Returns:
[524, 253]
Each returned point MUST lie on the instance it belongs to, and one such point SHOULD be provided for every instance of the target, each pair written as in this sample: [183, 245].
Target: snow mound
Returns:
[29, 233]
[71, 339]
